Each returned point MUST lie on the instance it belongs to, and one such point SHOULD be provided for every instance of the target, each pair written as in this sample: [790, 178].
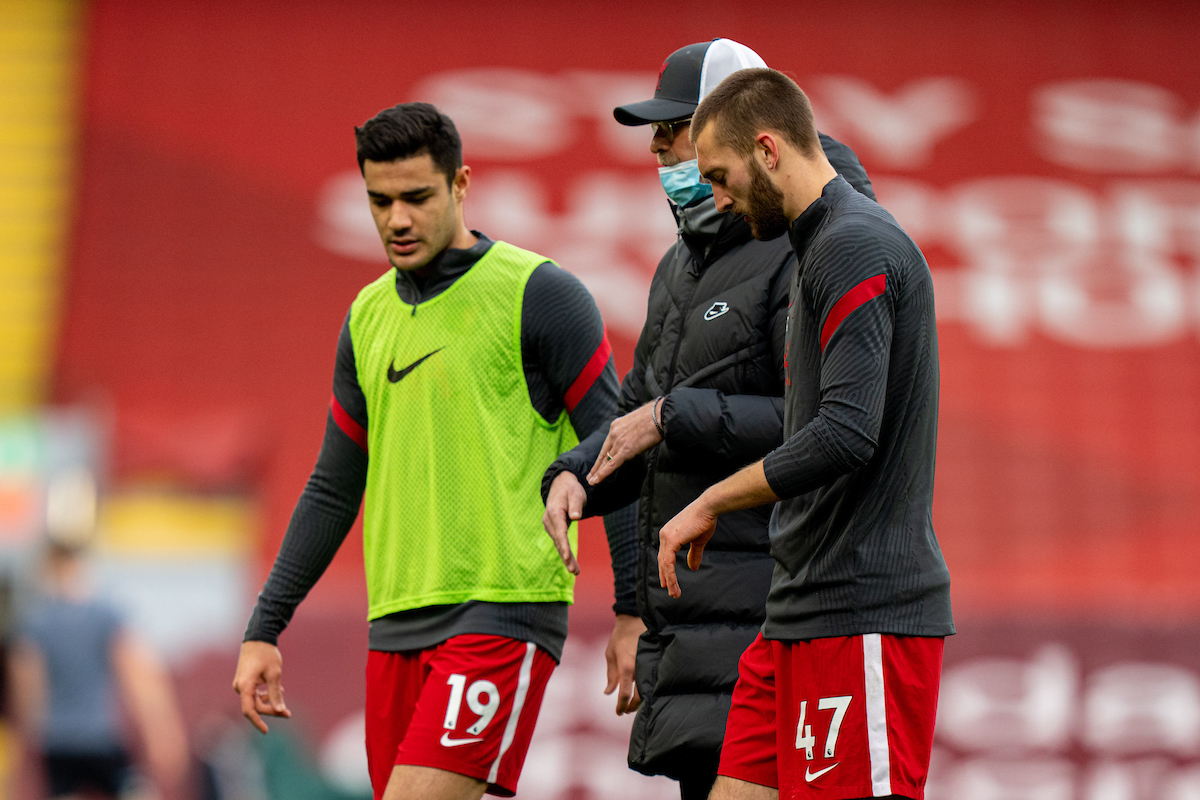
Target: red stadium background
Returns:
[1045, 156]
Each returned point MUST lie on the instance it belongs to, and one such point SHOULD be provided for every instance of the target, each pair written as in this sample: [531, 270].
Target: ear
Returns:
[766, 147]
[462, 180]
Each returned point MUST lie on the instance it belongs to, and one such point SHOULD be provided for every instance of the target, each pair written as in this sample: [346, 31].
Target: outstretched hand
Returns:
[258, 682]
[695, 525]
[628, 436]
[564, 504]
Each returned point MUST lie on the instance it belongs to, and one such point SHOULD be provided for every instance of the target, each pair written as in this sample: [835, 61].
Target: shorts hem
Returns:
[911, 792]
[748, 777]
[458, 768]
[866, 790]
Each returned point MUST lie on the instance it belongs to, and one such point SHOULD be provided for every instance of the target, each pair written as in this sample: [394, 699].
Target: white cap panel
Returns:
[723, 58]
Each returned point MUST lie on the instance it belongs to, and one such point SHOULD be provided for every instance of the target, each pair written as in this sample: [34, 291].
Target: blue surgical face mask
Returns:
[682, 183]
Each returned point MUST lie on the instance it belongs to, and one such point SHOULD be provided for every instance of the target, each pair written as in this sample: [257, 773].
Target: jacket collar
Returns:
[701, 220]
[447, 267]
[805, 226]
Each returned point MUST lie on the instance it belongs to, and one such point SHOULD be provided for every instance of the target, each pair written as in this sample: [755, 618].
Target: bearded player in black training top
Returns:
[837, 697]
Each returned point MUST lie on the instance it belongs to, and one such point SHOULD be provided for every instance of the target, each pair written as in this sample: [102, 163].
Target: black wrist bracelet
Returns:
[654, 417]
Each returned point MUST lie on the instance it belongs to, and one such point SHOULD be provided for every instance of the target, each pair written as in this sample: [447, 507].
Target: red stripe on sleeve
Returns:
[867, 290]
[587, 376]
[349, 427]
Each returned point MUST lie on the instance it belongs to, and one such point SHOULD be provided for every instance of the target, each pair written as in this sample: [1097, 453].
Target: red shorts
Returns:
[842, 717]
[466, 706]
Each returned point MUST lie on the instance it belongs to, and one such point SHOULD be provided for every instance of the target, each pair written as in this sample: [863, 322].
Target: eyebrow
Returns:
[407, 195]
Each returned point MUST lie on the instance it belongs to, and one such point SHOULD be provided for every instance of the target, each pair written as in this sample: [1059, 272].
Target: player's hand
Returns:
[564, 503]
[628, 436]
[257, 681]
[620, 655]
[695, 525]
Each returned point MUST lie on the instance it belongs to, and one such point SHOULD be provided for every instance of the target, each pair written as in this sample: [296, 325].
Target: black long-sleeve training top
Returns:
[561, 332]
[853, 538]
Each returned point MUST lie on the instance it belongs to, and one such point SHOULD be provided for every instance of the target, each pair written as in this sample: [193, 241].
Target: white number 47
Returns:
[804, 737]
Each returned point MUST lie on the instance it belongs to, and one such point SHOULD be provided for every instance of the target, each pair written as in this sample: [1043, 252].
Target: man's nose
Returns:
[398, 218]
[722, 198]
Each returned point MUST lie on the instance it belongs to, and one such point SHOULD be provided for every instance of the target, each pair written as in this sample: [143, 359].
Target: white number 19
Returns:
[485, 709]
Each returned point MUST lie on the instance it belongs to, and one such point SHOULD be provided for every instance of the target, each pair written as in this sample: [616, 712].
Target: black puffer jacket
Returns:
[713, 345]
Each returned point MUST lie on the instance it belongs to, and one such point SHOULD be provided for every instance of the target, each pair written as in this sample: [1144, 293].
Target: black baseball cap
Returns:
[685, 78]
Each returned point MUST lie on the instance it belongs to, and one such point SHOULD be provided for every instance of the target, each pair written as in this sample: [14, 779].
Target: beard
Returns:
[764, 206]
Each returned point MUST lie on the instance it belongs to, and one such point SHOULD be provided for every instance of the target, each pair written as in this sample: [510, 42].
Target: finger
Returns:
[613, 672]
[623, 697]
[575, 501]
[666, 568]
[275, 696]
[552, 522]
[610, 465]
[248, 710]
[262, 702]
[627, 693]
[635, 701]
[605, 451]
[696, 551]
[563, 542]
[556, 524]
[264, 706]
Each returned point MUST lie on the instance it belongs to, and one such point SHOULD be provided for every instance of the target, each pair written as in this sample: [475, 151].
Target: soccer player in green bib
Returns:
[461, 374]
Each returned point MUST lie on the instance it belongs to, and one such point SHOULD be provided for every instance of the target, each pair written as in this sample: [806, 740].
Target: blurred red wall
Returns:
[1046, 156]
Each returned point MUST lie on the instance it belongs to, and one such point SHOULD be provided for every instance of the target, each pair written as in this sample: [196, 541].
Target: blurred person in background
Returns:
[704, 398]
[836, 697]
[461, 374]
[73, 662]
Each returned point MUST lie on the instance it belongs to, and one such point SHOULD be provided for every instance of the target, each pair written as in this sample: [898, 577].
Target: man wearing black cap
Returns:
[704, 397]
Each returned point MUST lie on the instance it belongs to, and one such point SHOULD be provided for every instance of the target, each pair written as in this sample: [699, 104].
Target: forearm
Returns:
[621, 529]
[323, 516]
[746, 488]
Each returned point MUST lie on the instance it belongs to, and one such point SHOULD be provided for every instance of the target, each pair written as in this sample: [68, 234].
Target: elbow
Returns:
[860, 453]
[849, 446]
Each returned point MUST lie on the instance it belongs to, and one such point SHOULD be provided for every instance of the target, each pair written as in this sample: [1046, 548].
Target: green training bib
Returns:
[453, 507]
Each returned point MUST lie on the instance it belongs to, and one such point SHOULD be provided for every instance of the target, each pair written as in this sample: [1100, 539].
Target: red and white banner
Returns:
[1045, 156]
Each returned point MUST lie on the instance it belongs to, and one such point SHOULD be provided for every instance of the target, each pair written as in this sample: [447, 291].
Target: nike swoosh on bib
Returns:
[395, 375]
[448, 742]
[811, 776]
